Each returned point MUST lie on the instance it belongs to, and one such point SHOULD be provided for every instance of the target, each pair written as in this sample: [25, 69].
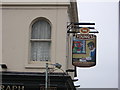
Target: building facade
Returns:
[34, 34]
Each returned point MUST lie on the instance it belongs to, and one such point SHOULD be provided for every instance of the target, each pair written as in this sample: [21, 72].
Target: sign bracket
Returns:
[73, 27]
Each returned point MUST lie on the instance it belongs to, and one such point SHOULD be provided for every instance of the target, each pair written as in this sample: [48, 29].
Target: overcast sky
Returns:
[105, 15]
[97, 0]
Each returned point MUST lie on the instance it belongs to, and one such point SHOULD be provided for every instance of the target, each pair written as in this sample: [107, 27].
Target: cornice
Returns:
[35, 3]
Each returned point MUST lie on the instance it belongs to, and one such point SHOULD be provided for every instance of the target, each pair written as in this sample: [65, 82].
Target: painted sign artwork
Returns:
[78, 46]
[84, 50]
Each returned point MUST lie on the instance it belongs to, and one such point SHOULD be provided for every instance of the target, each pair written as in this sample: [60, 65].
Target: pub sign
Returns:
[84, 49]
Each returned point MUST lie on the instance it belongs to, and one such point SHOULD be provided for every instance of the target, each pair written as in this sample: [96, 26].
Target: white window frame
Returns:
[38, 64]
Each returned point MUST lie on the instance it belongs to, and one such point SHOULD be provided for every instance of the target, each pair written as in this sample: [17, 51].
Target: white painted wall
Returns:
[105, 73]
[47, 1]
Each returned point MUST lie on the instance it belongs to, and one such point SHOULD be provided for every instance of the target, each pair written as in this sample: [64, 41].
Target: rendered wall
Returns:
[16, 34]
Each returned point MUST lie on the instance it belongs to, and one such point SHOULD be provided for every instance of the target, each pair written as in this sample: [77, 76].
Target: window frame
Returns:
[38, 64]
[40, 40]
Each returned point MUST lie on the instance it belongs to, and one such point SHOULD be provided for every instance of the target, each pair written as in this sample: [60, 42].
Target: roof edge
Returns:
[35, 3]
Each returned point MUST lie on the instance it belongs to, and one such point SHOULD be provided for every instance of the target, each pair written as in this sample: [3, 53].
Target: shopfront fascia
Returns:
[35, 81]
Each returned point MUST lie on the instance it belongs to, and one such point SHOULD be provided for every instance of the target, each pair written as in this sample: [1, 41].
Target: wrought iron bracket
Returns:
[72, 27]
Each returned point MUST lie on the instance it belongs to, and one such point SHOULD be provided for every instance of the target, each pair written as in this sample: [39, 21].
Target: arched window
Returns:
[40, 40]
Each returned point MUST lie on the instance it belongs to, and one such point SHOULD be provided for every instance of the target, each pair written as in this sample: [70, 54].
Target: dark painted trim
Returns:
[35, 80]
[97, 89]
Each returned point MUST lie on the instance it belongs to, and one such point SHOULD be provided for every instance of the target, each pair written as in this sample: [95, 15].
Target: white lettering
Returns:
[20, 87]
[14, 87]
[86, 36]
[2, 87]
[8, 88]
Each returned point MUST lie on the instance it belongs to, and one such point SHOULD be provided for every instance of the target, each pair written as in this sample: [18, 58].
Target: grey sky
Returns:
[105, 15]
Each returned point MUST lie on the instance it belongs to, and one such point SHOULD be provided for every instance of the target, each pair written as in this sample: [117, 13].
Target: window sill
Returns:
[36, 65]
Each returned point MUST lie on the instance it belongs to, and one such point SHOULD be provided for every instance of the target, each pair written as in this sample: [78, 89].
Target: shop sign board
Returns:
[84, 49]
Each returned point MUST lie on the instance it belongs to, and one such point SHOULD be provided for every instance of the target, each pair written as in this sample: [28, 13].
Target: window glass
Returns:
[41, 30]
[40, 41]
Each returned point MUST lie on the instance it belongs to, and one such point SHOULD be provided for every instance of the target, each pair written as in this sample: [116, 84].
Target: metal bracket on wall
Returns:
[73, 27]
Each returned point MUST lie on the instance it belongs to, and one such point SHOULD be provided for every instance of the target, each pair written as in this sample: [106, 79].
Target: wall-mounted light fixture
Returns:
[3, 66]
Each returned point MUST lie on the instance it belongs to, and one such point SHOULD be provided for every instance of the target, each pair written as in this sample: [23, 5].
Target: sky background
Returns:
[97, 0]
[105, 15]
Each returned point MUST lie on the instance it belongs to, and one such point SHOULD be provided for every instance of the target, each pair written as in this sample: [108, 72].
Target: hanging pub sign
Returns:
[84, 49]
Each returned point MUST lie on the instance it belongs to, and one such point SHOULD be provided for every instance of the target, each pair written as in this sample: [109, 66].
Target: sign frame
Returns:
[87, 59]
